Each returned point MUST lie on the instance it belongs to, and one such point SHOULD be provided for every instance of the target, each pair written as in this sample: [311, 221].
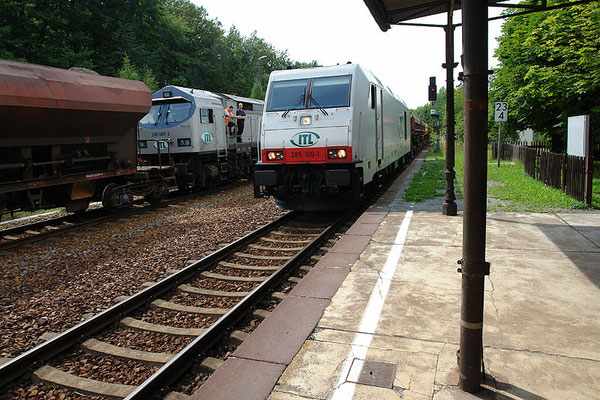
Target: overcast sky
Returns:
[337, 31]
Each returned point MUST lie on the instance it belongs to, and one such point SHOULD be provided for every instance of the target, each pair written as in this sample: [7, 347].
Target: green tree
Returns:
[128, 70]
[203, 43]
[150, 80]
[49, 32]
[257, 91]
[165, 42]
[549, 69]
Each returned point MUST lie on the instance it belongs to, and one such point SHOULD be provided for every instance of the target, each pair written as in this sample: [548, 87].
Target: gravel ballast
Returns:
[58, 283]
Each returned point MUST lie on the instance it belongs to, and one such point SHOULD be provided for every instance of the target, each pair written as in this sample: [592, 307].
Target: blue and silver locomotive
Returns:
[186, 130]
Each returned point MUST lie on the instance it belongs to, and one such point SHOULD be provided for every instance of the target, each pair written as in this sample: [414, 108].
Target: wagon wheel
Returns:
[106, 193]
[152, 198]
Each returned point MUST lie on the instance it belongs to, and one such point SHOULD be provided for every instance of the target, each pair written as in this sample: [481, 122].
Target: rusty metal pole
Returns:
[474, 268]
[449, 206]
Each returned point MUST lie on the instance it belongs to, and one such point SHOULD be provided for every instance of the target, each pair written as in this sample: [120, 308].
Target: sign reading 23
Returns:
[305, 139]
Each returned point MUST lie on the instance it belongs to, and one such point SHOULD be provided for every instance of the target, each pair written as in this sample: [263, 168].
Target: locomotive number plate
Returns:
[304, 154]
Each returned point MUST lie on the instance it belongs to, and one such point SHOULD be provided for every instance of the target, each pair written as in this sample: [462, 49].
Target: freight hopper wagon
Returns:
[419, 133]
[328, 135]
[68, 138]
[186, 129]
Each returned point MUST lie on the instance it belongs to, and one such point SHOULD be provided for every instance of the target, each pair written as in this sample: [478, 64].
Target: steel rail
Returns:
[202, 344]
[33, 225]
[179, 364]
[18, 230]
[77, 334]
[94, 220]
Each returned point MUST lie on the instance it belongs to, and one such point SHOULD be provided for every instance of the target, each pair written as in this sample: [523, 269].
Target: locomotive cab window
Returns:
[331, 91]
[177, 112]
[206, 116]
[300, 94]
[153, 116]
[287, 95]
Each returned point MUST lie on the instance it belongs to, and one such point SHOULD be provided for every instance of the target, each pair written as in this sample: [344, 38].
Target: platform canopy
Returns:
[390, 12]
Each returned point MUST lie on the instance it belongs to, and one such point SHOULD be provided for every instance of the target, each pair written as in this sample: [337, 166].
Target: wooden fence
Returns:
[561, 171]
[596, 149]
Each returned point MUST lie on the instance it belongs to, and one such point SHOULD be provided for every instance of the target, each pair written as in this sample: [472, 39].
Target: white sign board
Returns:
[501, 111]
[578, 135]
[526, 135]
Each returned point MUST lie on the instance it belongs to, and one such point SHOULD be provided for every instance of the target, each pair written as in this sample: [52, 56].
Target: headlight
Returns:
[274, 155]
[336, 154]
[305, 120]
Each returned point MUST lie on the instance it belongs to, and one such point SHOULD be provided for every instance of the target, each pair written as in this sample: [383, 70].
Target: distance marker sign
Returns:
[501, 111]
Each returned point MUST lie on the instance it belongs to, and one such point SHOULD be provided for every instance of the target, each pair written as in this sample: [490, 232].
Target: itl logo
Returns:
[305, 139]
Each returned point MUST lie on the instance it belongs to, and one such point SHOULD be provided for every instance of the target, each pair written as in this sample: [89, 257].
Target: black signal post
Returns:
[449, 206]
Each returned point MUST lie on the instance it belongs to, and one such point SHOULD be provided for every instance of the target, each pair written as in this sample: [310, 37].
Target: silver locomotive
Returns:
[186, 131]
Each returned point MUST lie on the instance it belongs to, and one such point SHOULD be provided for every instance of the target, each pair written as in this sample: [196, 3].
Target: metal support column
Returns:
[449, 206]
[474, 268]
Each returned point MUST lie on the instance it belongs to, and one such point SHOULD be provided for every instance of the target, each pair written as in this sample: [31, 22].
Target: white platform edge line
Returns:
[362, 340]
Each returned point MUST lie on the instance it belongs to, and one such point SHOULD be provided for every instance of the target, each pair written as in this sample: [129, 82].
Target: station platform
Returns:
[378, 316]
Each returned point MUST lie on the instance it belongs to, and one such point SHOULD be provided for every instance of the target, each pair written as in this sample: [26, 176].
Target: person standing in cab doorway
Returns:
[241, 119]
[229, 124]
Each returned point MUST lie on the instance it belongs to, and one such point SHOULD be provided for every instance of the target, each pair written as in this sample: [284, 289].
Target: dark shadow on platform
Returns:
[496, 390]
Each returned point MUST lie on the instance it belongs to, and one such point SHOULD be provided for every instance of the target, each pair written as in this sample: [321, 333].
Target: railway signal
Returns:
[432, 89]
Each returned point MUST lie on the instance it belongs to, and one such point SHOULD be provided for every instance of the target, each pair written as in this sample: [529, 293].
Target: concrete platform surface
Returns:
[542, 311]
[391, 329]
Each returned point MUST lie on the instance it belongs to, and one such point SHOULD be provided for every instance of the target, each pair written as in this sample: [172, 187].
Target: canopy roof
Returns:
[390, 12]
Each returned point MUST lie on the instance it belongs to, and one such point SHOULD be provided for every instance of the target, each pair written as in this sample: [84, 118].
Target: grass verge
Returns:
[509, 188]
[429, 182]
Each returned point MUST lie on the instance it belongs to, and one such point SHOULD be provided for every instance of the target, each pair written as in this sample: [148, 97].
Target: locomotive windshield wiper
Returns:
[298, 101]
[312, 100]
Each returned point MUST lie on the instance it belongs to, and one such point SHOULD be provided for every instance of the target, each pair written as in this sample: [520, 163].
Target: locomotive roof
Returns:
[332, 70]
[325, 71]
[319, 71]
[243, 99]
[190, 94]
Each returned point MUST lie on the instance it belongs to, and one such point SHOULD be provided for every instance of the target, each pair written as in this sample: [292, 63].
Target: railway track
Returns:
[39, 230]
[189, 321]
[179, 318]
